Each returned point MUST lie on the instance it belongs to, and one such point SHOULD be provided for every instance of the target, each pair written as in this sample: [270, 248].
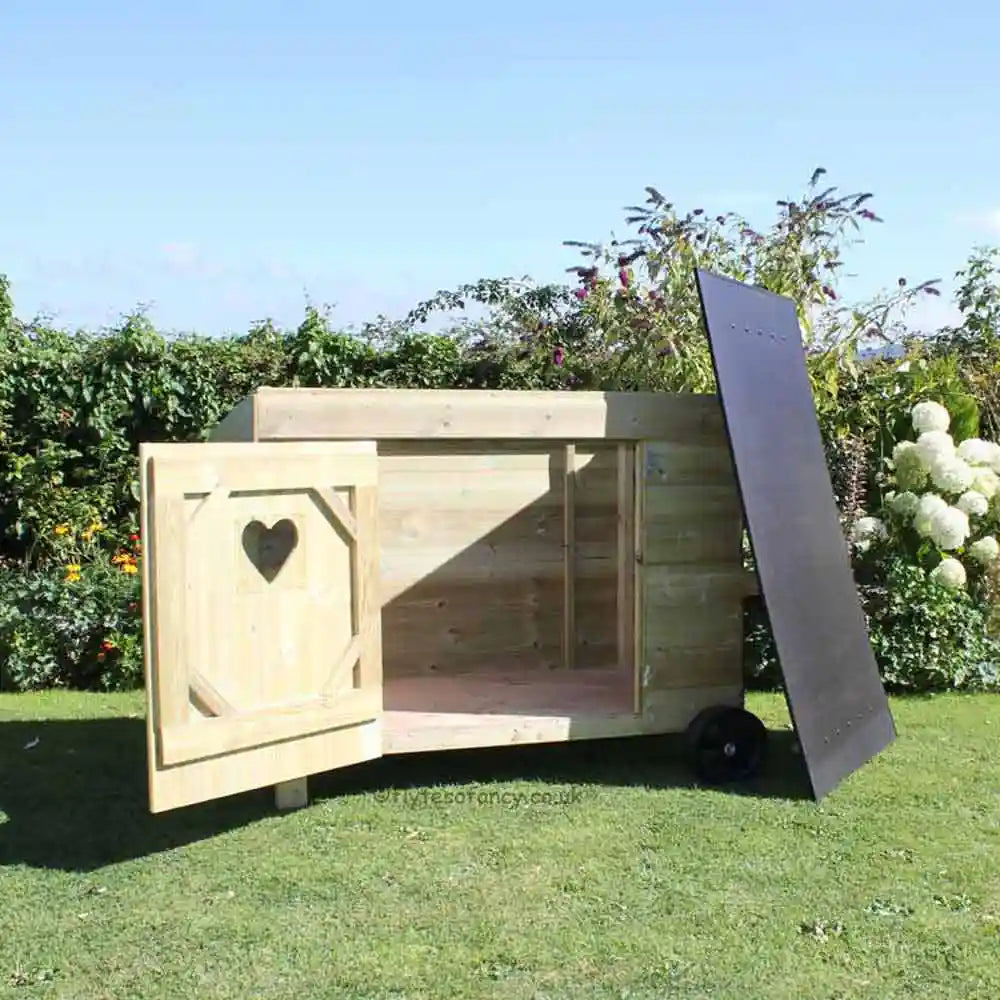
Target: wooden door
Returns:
[261, 611]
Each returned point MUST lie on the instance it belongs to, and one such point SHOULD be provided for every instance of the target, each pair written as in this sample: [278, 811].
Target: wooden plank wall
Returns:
[475, 546]
[595, 562]
[692, 580]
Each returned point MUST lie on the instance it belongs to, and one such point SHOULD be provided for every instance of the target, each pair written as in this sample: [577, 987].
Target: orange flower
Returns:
[93, 529]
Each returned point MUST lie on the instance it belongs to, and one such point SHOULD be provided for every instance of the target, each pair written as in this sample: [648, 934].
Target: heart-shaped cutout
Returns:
[269, 548]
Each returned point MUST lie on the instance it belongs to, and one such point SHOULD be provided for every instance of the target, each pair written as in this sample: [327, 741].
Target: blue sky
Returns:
[220, 161]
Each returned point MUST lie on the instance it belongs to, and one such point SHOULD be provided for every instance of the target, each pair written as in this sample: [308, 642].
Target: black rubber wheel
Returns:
[725, 744]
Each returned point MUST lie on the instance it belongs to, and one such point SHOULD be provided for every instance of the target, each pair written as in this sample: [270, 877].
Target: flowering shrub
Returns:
[942, 507]
[76, 623]
[926, 561]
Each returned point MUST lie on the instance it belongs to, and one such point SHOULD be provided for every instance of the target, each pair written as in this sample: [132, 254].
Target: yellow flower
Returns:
[72, 577]
[87, 535]
[130, 568]
[73, 568]
[62, 529]
[96, 526]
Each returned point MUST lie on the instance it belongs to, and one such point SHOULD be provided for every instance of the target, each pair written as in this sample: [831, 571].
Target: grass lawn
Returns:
[620, 881]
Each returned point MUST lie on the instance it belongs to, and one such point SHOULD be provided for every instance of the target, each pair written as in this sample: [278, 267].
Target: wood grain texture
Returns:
[239, 660]
[473, 414]
[626, 558]
[497, 708]
[693, 582]
[259, 767]
[595, 564]
[481, 563]
[569, 556]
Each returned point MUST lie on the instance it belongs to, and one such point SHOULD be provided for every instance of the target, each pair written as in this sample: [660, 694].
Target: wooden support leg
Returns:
[292, 794]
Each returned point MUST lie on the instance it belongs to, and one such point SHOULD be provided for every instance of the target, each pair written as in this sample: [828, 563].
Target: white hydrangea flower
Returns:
[929, 416]
[972, 503]
[865, 530]
[951, 475]
[990, 453]
[950, 572]
[986, 550]
[905, 503]
[901, 447]
[976, 451]
[932, 445]
[986, 482]
[870, 527]
[927, 506]
[949, 528]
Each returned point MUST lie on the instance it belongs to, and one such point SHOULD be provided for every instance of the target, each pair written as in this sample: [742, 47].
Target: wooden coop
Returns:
[341, 574]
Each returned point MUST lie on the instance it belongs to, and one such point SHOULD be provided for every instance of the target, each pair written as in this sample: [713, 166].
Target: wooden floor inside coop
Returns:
[506, 706]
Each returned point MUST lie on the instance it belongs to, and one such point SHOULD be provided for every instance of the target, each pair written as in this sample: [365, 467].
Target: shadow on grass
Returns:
[77, 800]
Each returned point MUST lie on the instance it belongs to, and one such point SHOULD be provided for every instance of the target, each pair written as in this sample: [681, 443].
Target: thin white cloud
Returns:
[279, 271]
[183, 254]
[987, 220]
[992, 220]
[185, 260]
